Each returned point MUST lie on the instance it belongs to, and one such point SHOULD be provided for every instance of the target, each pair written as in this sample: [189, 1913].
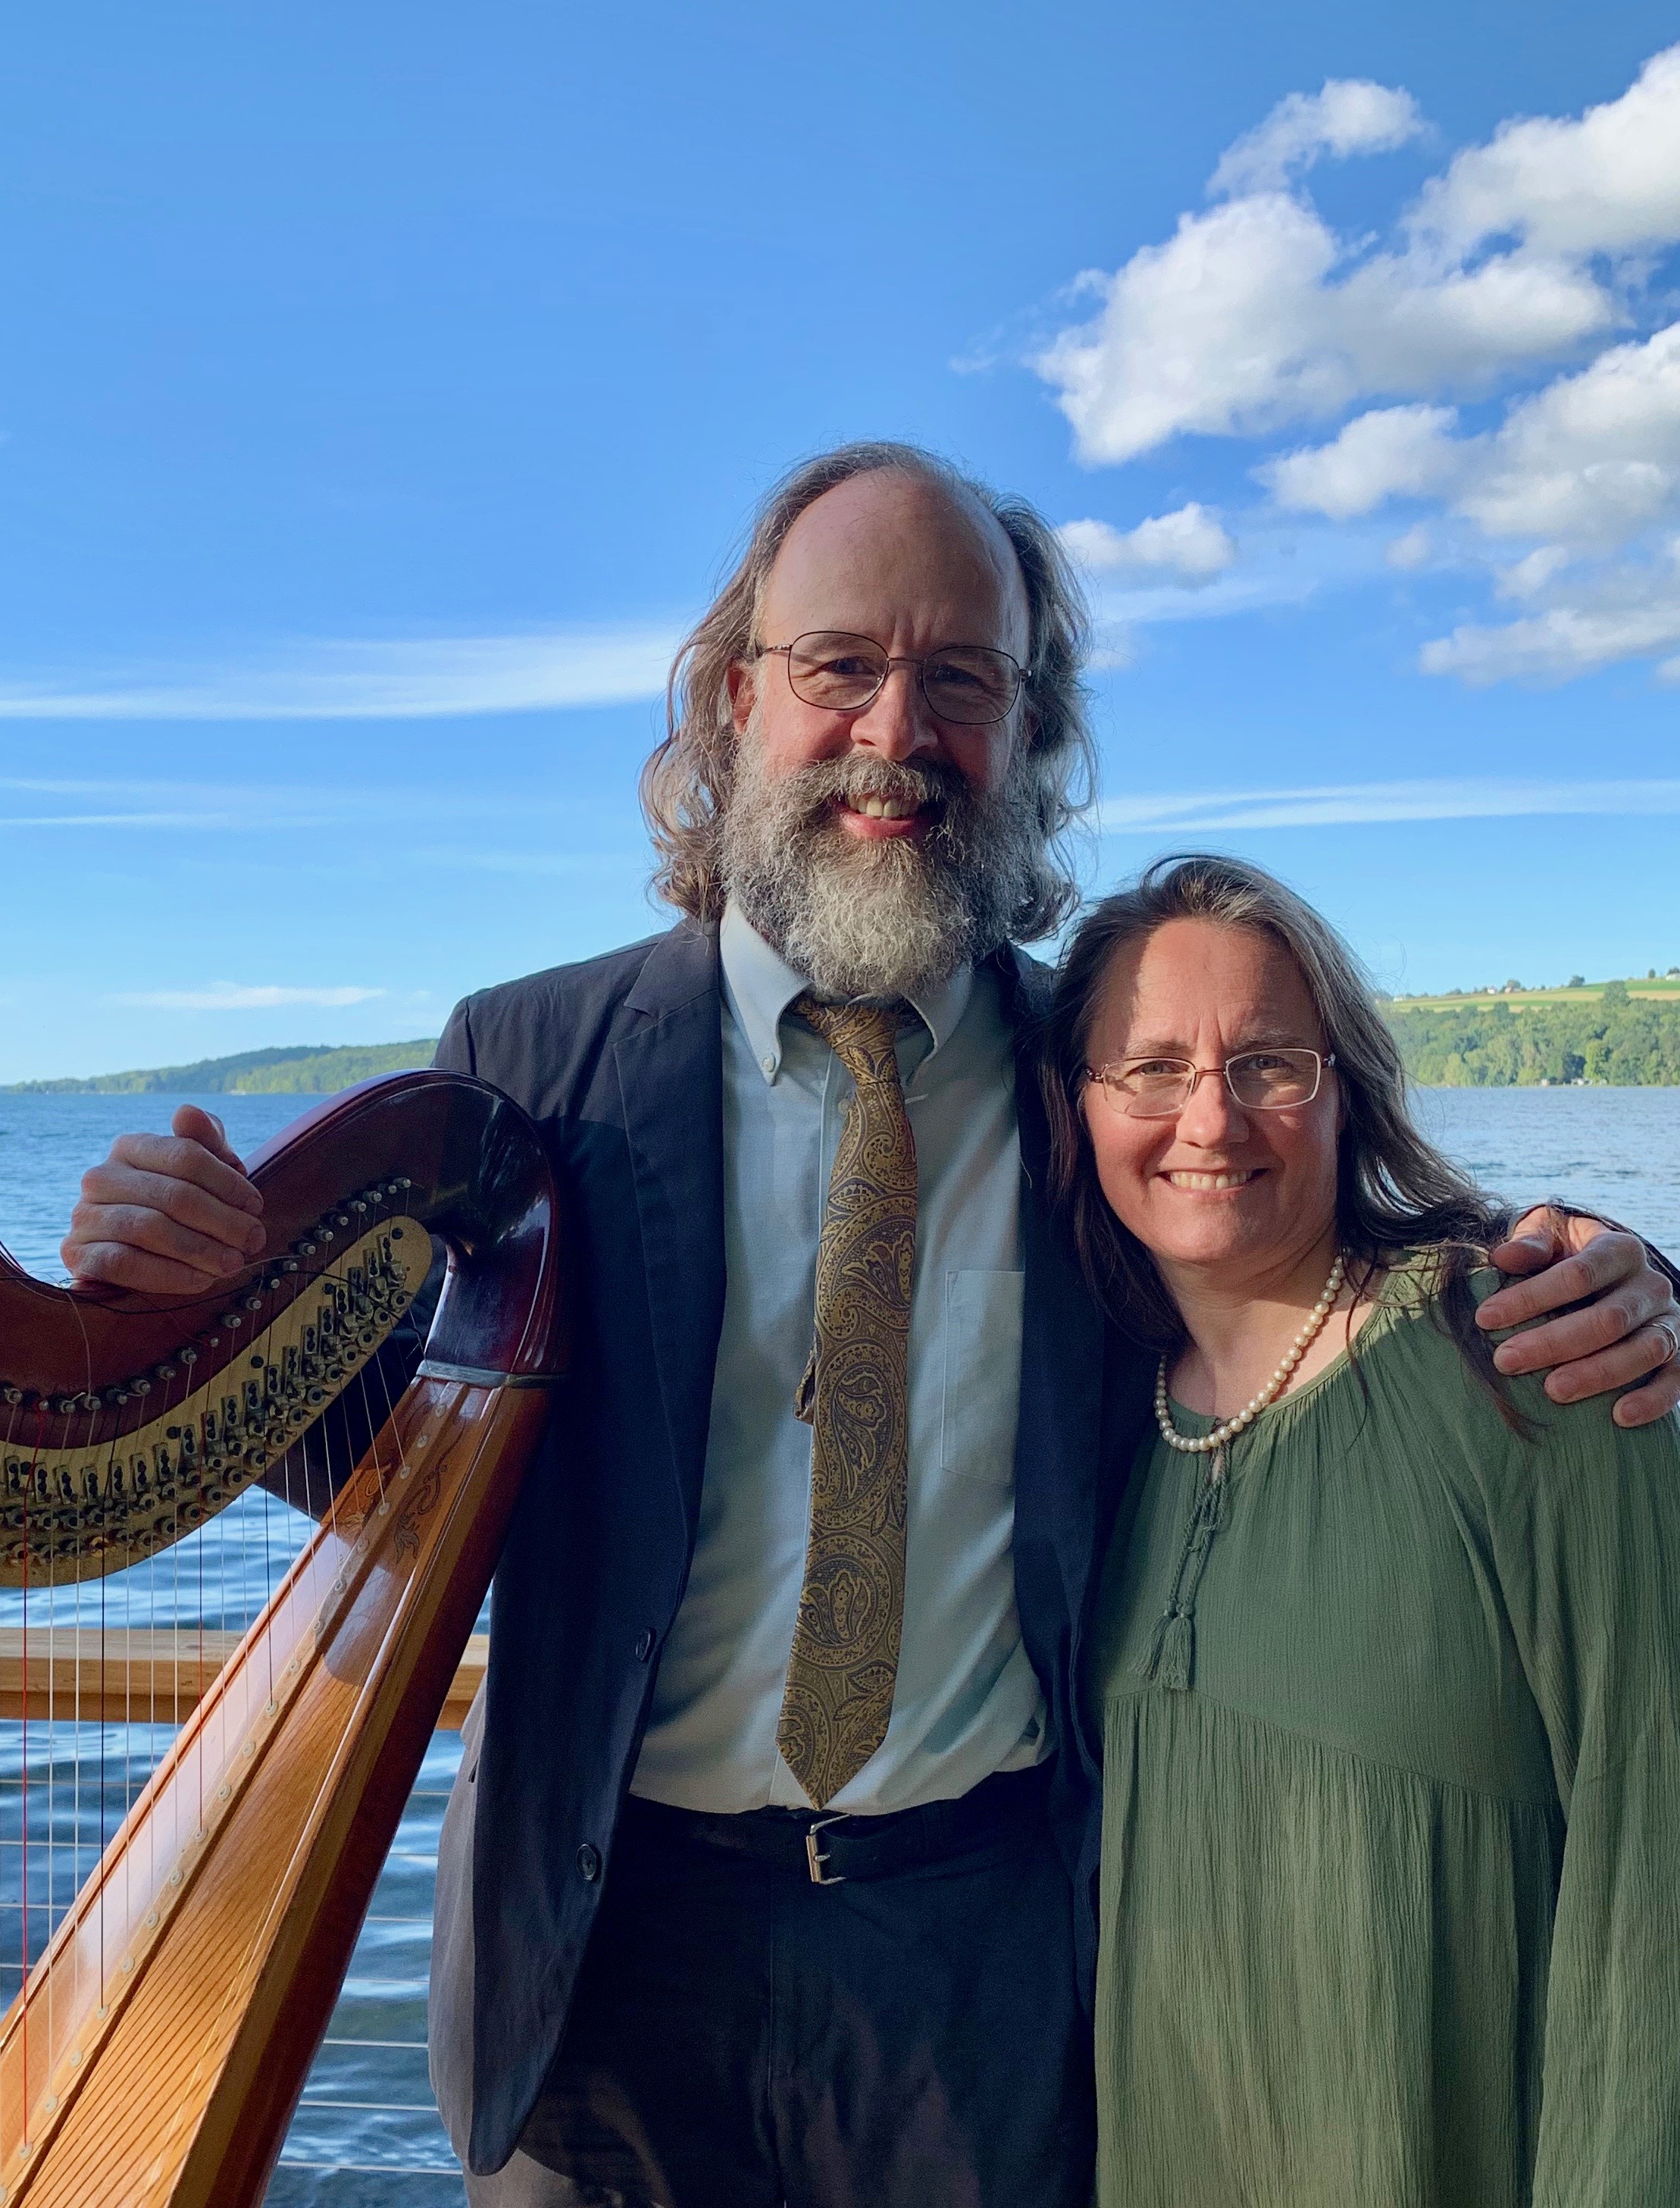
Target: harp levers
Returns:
[158, 2044]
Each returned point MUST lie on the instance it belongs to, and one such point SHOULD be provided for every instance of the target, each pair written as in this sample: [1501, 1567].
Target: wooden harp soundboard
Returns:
[163, 2033]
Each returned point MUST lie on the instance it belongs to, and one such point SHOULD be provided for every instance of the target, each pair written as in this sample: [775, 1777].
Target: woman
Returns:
[1387, 1664]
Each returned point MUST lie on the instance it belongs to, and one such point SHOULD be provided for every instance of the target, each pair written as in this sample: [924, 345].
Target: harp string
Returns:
[220, 1572]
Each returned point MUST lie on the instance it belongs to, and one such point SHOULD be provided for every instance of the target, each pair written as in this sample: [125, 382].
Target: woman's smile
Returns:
[1220, 1181]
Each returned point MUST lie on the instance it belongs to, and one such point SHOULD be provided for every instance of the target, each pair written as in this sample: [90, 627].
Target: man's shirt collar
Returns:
[760, 984]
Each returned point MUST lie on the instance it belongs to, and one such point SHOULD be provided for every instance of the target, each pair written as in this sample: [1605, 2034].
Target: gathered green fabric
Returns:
[1390, 1883]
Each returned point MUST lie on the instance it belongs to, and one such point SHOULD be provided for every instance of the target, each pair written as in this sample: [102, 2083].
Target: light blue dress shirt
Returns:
[967, 1701]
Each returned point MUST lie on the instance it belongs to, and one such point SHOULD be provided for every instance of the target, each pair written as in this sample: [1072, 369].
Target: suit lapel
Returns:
[670, 1071]
[1059, 1443]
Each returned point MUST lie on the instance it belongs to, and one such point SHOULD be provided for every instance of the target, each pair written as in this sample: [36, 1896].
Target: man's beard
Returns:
[880, 917]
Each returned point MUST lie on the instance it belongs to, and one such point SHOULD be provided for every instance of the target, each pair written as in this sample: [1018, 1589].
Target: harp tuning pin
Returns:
[165, 1371]
[306, 1248]
[254, 1303]
[141, 1387]
[189, 1357]
[232, 1320]
[289, 1266]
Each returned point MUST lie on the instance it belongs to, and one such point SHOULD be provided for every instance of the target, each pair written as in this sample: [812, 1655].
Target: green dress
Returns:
[1390, 1883]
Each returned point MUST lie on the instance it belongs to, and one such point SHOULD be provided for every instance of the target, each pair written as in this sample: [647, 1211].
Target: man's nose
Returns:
[896, 721]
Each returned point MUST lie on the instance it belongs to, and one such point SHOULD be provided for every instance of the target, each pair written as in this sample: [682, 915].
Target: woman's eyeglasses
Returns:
[969, 683]
[1257, 1080]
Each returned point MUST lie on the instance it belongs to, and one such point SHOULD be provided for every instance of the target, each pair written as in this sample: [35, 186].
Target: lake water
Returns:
[366, 2134]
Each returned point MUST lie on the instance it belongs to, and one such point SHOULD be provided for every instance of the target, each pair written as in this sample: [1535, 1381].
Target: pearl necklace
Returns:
[1200, 1445]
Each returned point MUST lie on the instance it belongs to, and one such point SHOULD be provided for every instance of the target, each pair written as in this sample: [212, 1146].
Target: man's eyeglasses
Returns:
[969, 683]
[1258, 1080]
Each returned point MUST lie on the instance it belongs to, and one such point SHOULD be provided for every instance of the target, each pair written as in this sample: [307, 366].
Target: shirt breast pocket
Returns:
[982, 1376]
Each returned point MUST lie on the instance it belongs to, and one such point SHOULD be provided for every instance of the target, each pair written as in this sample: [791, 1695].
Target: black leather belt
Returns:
[830, 1848]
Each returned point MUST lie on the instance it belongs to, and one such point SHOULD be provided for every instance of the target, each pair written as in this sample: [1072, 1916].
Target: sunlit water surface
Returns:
[368, 2134]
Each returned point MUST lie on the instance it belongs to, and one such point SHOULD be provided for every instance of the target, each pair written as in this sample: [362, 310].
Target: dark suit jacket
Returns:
[619, 1061]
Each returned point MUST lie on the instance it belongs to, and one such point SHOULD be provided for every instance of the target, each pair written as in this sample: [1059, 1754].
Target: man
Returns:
[755, 1887]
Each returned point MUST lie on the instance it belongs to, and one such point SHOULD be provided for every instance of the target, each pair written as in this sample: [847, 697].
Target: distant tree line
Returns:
[1626, 1042]
[300, 1070]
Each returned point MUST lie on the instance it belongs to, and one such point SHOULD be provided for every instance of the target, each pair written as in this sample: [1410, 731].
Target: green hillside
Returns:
[297, 1070]
[1626, 1035]
[1607, 1033]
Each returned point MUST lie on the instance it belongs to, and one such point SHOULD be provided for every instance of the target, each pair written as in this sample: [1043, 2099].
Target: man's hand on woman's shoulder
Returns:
[1628, 1330]
[168, 1214]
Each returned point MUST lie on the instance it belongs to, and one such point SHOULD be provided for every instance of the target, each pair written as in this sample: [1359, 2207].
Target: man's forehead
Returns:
[890, 543]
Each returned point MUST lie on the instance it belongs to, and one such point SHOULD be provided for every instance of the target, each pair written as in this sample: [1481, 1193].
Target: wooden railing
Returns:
[149, 1678]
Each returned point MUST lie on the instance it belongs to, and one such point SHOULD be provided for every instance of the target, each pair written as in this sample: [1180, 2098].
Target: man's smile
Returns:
[874, 818]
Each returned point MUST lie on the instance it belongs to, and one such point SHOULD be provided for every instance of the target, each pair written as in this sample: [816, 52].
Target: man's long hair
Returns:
[686, 783]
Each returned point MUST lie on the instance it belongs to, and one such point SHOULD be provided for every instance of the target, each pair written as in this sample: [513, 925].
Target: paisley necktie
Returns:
[856, 1397]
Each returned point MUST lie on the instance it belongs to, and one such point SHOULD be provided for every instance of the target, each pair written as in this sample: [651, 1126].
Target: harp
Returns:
[164, 2028]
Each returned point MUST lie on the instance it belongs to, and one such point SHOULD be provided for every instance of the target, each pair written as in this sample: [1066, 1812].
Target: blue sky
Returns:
[382, 389]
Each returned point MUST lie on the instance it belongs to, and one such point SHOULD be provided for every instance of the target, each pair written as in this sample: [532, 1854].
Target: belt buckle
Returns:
[813, 1855]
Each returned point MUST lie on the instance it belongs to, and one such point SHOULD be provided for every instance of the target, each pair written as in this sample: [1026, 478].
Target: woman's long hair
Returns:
[1394, 1191]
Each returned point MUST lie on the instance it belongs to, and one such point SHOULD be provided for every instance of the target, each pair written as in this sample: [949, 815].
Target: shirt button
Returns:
[589, 1862]
[769, 1064]
[644, 1646]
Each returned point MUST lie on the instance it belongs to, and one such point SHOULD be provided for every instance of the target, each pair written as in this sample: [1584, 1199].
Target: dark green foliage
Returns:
[1627, 1042]
[299, 1069]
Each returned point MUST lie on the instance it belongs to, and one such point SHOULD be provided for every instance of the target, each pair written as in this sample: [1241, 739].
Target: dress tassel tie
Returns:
[1170, 1658]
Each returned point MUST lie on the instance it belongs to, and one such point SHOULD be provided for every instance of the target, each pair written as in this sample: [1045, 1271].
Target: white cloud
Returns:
[1414, 548]
[1585, 617]
[420, 679]
[1392, 452]
[1256, 315]
[1591, 459]
[1563, 641]
[242, 996]
[1527, 578]
[1235, 327]
[1195, 812]
[1349, 116]
[1190, 544]
[1256, 318]
[1607, 183]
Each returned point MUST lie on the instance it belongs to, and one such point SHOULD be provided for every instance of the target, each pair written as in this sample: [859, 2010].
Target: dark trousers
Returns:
[743, 2038]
